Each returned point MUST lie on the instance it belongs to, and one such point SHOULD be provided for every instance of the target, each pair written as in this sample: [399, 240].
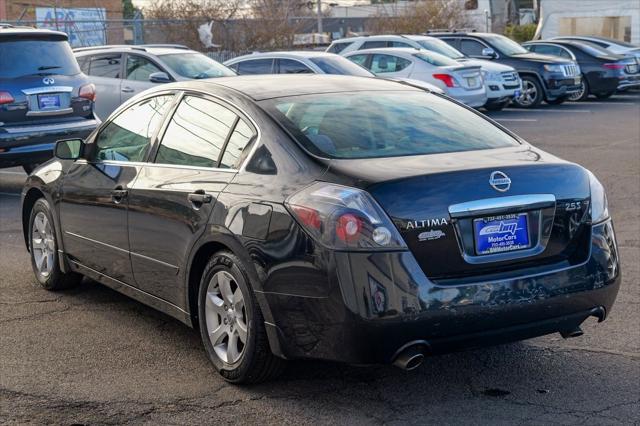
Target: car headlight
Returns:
[599, 204]
[553, 68]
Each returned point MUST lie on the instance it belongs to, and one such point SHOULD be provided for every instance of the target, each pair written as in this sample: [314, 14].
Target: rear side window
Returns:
[255, 66]
[388, 63]
[196, 133]
[373, 44]
[338, 47]
[128, 136]
[20, 58]
[289, 66]
[399, 44]
[237, 147]
[384, 124]
[359, 59]
[105, 65]
[139, 68]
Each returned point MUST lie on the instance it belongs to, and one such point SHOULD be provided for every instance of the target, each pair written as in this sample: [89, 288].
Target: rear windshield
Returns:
[195, 65]
[436, 59]
[339, 65]
[384, 124]
[19, 58]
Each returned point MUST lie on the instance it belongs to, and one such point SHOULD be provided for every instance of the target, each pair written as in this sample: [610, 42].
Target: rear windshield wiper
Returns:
[48, 67]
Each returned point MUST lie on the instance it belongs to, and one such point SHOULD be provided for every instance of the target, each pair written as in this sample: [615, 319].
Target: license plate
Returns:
[576, 80]
[500, 234]
[48, 101]
[517, 94]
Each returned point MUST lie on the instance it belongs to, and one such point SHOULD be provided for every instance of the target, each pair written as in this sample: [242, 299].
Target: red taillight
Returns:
[308, 216]
[348, 227]
[446, 78]
[6, 98]
[613, 66]
[88, 91]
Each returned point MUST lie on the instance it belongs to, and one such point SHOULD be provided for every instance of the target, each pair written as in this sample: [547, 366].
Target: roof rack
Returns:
[110, 46]
[173, 46]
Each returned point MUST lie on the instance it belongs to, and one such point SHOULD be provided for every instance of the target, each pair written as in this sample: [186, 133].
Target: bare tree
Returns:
[273, 24]
[420, 16]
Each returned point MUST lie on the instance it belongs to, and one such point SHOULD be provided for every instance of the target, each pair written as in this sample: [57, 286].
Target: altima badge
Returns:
[499, 181]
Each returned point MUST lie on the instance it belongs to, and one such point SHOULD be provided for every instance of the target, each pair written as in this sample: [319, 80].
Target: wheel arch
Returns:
[30, 198]
[537, 77]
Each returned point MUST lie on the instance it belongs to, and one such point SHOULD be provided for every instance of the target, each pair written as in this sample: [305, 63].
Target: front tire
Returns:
[557, 101]
[581, 95]
[43, 247]
[532, 93]
[231, 323]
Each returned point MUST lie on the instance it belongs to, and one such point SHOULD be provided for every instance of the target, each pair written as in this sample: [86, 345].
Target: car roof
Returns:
[26, 32]
[405, 50]
[268, 86]
[295, 54]
[151, 49]
[459, 33]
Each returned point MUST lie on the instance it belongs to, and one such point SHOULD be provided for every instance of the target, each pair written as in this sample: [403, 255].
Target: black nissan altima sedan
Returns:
[328, 217]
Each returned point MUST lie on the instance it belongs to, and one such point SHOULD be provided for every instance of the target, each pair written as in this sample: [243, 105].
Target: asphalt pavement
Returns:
[92, 356]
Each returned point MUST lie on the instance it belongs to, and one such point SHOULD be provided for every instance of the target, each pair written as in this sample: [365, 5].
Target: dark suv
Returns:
[547, 78]
[43, 95]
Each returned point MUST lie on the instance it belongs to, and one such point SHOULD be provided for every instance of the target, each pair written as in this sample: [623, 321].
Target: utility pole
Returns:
[319, 12]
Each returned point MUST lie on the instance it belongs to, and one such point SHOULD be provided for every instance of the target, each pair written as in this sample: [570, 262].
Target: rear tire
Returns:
[43, 247]
[605, 95]
[227, 311]
[532, 93]
[583, 94]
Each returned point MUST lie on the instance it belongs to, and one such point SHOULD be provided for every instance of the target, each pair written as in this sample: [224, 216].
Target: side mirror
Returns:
[68, 149]
[159, 77]
[489, 52]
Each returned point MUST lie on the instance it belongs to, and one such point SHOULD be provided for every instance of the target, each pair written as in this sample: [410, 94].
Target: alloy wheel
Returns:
[226, 317]
[578, 95]
[43, 244]
[529, 93]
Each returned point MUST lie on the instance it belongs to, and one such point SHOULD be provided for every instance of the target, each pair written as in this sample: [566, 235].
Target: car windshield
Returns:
[195, 65]
[506, 45]
[441, 47]
[372, 124]
[20, 58]
[435, 59]
[341, 66]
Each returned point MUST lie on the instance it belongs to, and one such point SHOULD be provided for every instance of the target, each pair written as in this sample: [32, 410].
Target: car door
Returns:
[137, 72]
[173, 197]
[106, 72]
[94, 199]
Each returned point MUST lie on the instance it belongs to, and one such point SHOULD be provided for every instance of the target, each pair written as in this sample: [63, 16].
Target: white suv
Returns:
[502, 82]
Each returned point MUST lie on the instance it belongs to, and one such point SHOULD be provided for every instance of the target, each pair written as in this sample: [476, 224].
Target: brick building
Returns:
[86, 21]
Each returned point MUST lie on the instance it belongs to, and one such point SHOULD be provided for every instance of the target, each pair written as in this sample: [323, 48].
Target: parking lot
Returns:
[93, 356]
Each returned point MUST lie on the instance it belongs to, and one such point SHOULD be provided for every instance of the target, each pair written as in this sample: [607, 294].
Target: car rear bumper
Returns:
[630, 81]
[378, 304]
[20, 145]
[472, 98]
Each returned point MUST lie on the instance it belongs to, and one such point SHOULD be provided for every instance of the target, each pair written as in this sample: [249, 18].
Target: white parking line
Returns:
[515, 119]
[13, 173]
[608, 103]
[546, 110]
[9, 194]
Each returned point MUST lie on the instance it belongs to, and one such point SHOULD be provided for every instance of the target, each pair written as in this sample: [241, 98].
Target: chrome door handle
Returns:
[118, 194]
[199, 197]
[127, 89]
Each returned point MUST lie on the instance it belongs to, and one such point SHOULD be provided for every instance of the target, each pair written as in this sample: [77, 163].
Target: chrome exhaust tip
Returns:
[410, 358]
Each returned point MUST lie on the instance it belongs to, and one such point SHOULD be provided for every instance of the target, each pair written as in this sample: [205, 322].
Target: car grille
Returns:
[510, 76]
[570, 70]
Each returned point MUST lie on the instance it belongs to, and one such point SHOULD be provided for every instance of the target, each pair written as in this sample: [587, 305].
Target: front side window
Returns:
[20, 58]
[105, 66]
[289, 66]
[471, 47]
[388, 63]
[195, 65]
[196, 133]
[340, 66]
[384, 124]
[127, 137]
[139, 68]
[255, 66]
